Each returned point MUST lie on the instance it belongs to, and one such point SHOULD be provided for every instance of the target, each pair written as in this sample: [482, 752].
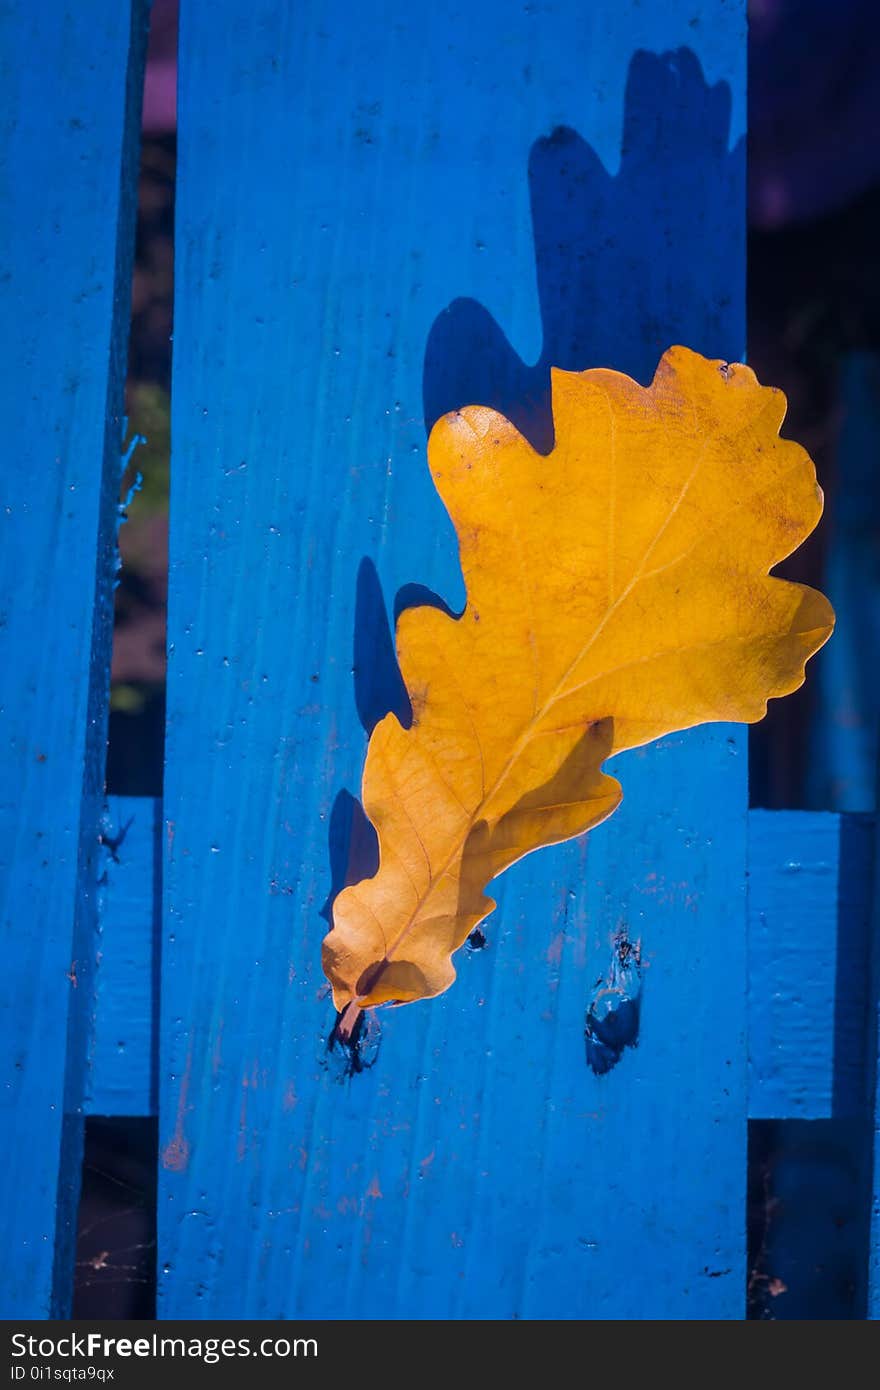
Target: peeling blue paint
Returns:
[612, 1021]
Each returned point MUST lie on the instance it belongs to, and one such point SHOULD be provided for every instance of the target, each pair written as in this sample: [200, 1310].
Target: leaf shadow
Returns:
[624, 267]
[378, 683]
[353, 848]
[624, 262]
[379, 689]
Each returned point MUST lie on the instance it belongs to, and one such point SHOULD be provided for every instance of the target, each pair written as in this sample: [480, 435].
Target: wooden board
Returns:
[809, 912]
[70, 83]
[345, 176]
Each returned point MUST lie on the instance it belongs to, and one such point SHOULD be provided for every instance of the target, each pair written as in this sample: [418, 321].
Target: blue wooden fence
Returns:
[383, 211]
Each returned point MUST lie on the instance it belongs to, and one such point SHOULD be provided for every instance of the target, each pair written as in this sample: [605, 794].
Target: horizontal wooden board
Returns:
[809, 912]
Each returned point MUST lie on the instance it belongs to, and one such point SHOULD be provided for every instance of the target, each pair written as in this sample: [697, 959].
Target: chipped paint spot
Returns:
[248, 1082]
[555, 949]
[241, 1142]
[175, 1155]
[217, 1054]
[613, 1014]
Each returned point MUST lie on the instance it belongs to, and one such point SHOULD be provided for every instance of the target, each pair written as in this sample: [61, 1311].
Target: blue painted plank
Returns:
[809, 960]
[809, 904]
[69, 102]
[123, 1060]
[345, 175]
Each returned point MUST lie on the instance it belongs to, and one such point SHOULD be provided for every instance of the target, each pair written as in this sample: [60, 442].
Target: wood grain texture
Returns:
[123, 1058]
[809, 960]
[67, 184]
[346, 173]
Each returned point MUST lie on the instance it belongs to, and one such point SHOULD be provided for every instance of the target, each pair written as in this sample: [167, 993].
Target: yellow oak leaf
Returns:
[617, 589]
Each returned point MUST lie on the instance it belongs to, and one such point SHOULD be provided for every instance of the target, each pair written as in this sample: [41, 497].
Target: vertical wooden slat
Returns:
[843, 767]
[346, 172]
[70, 80]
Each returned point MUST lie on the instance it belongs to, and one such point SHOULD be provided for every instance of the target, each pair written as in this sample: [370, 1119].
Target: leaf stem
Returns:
[348, 1021]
